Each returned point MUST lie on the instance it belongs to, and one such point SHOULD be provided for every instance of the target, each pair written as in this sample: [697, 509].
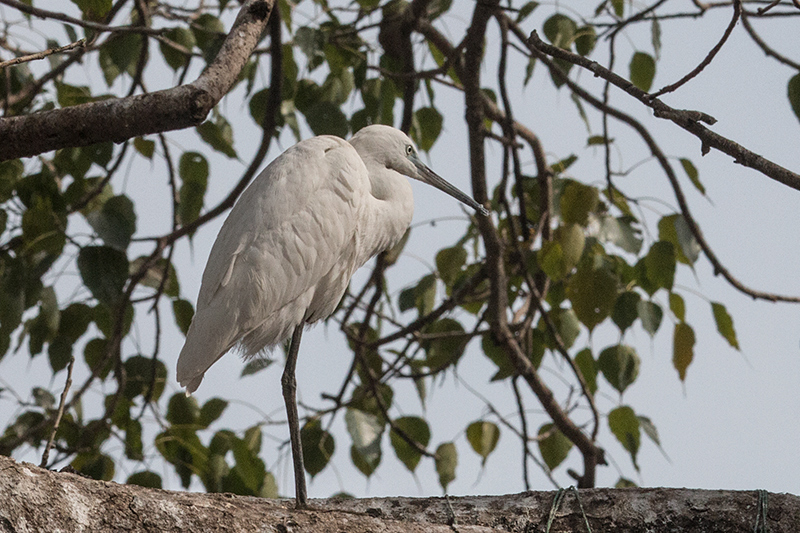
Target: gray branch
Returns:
[35, 499]
[123, 118]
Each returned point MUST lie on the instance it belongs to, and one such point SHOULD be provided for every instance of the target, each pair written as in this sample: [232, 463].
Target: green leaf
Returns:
[145, 478]
[450, 262]
[193, 170]
[325, 118]
[418, 431]
[694, 176]
[93, 353]
[120, 57]
[674, 229]
[219, 135]
[559, 256]
[794, 94]
[182, 410]
[585, 40]
[619, 365]
[211, 411]
[592, 293]
[104, 271]
[209, 33]
[70, 95]
[147, 148]
[93, 10]
[588, 368]
[44, 326]
[448, 349]
[140, 376]
[95, 465]
[255, 365]
[115, 222]
[655, 37]
[677, 306]
[620, 232]
[682, 348]
[724, 323]
[43, 398]
[650, 314]
[366, 431]
[42, 228]
[649, 429]
[553, 445]
[619, 7]
[498, 356]
[626, 310]
[318, 446]
[10, 173]
[483, 437]
[577, 201]
[660, 264]
[429, 122]
[181, 36]
[526, 10]
[567, 325]
[643, 70]
[624, 424]
[133, 441]
[183, 311]
[560, 30]
[446, 462]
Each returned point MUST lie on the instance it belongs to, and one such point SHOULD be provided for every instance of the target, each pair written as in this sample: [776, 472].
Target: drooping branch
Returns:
[719, 267]
[688, 120]
[592, 454]
[123, 118]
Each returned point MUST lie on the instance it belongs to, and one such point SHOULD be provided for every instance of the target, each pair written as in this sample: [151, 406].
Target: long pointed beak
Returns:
[426, 175]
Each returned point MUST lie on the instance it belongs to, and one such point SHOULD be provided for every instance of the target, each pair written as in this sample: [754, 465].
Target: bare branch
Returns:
[688, 120]
[737, 11]
[41, 55]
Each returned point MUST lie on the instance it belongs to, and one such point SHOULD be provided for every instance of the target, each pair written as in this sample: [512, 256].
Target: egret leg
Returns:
[289, 384]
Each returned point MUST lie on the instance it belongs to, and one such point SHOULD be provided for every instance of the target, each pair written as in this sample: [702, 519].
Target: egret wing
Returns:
[292, 226]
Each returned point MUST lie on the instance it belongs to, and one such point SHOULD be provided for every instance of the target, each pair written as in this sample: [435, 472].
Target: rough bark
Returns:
[120, 119]
[34, 499]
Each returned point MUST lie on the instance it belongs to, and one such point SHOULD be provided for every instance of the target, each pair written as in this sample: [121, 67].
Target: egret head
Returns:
[393, 149]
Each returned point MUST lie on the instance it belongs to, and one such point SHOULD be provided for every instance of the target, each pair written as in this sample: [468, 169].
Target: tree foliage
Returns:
[563, 253]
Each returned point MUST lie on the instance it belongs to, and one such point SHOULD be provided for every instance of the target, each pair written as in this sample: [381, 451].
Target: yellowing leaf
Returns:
[483, 437]
[682, 348]
[624, 424]
[724, 323]
[643, 70]
[446, 462]
[553, 445]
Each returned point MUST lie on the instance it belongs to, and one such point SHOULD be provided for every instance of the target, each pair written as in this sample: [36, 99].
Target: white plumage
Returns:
[290, 245]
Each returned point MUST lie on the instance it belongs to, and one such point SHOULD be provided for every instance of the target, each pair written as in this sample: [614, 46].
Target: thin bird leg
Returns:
[289, 384]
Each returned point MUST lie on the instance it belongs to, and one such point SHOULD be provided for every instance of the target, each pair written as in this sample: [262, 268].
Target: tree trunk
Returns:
[34, 499]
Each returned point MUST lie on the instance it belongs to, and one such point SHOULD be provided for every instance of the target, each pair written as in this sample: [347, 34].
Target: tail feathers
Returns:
[204, 346]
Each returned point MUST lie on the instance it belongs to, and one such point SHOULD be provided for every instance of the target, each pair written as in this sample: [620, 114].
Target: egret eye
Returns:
[409, 150]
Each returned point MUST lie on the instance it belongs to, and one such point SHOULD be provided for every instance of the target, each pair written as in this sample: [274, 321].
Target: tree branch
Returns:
[123, 118]
[688, 120]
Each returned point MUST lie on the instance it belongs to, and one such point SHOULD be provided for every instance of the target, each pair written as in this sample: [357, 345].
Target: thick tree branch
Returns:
[75, 503]
[124, 118]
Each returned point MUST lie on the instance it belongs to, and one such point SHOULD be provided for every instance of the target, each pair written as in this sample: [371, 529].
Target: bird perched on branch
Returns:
[286, 253]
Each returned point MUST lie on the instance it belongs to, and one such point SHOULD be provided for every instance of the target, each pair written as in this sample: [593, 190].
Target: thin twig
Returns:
[63, 17]
[62, 402]
[737, 11]
[41, 55]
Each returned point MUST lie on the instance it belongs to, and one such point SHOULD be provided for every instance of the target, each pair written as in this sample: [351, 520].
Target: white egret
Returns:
[285, 254]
